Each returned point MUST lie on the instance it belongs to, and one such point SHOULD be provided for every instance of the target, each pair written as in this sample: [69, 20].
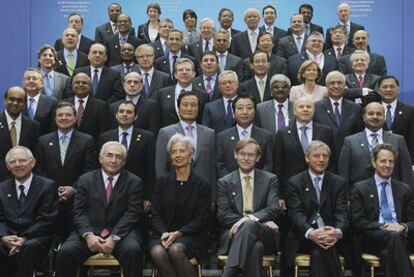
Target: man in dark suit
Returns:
[205, 43]
[317, 205]
[344, 14]
[306, 10]
[314, 51]
[247, 216]
[160, 45]
[167, 97]
[93, 115]
[277, 112]
[382, 214]
[107, 207]
[296, 41]
[244, 109]
[28, 210]
[269, 15]
[75, 21]
[244, 43]
[128, 63]
[354, 161]
[226, 19]
[40, 107]
[63, 156]
[218, 114]
[15, 128]
[208, 80]
[398, 115]
[258, 86]
[339, 48]
[106, 82]
[113, 44]
[69, 58]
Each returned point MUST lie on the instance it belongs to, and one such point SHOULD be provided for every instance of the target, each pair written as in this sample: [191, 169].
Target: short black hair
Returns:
[190, 12]
[116, 4]
[187, 93]
[386, 78]
[384, 146]
[306, 6]
[263, 33]
[267, 7]
[251, 59]
[127, 102]
[243, 95]
[65, 103]
[208, 53]
[72, 14]
[225, 10]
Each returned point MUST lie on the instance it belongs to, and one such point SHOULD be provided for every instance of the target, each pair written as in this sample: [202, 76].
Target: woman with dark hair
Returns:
[190, 34]
[148, 32]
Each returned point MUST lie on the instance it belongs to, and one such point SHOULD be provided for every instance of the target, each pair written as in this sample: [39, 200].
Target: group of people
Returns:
[169, 142]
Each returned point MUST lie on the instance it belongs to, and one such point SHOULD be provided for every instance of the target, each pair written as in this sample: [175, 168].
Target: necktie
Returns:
[307, 30]
[388, 117]
[22, 198]
[385, 209]
[338, 53]
[79, 113]
[244, 134]
[30, 109]
[299, 43]
[146, 84]
[261, 89]
[63, 146]
[374, 141]
[48, 86]
[222, 62]
[173, 66]
[13, 133]
[269, 30]
[247, 196]
[95, 80]
[318, 217]
[122, 40]
[304, 138]
[253, 41]
[361, 81]
[124, 141]
[337, 114]
[108, 192]
[206, 48]
[127, 69]
[189, 129]
[115, 28]
[229, 114]
[280, 117]
[208, 85]
[166, 50]
[71, 64]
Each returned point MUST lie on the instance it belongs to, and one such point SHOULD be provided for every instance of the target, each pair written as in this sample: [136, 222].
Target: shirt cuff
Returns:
[87, 234]
[116, 238]
[307, 232]
[252, 217]
[340, 232]
[365, 91]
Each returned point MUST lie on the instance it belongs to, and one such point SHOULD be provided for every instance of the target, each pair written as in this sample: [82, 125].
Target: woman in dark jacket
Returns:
[148, 32]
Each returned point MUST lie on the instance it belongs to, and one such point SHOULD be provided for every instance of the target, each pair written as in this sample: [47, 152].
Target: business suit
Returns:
[44, 114]
[140, 156]
[104, 31]
[214, 116]
[365, 211]
[143, 34]
[84, 45]
[114, 48]
[253, 239]
[196, 48]
[354, 90]
[266, 115]
[122, 69]
[226, 141]
[377, 64]
[109, 85]
[236, 64]
[287, 46]
[159, 80]
[240, 45]
[91, 213]
[345, 51]
[277, 33]
[294, 62]
[28, 137]
[251, 87]
[204, 159]
[312, 28]
[163, 64]
[355, 159]
[303, 206]
[35, 221]
[60, 83]
[166, 101]
[278, 65]
[158, 49]
[61, 66]
[353, 28]
[199, 82]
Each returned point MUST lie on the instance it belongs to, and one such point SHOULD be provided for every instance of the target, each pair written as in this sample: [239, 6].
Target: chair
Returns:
[372, 261]
[101, 260]
[268, 262]
[193, 261]
[303, 260]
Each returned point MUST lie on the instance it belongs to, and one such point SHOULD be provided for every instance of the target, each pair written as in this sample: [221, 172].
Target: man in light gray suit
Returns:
[204, 138]
[355, 158]
[278, 112]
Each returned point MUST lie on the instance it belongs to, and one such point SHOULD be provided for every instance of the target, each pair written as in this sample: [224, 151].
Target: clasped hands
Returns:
[65, 193]
[100, 245]
[394, 227]
[168, 238]
[325, 237]
[14, 243]
[270, 224]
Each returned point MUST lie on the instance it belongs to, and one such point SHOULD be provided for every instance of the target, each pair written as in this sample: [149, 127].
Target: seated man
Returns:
[247, 211]
[107, 207]
[317, 206]
[382, 214]
[28, 210]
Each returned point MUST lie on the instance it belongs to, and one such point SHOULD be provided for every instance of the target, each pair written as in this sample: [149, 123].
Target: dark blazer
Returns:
[313, 28]
[250, 87]
[287, 46]
[45, 114]
[346, 51]
[240, 45]
[121, 69]
[84, 45]
[91, 213]
[143, 34]
[28, 137]
[289, 158]
[81, 157]
[148, 113]
[303, 206]
[214, 115]
[278, 65]
[109, 86]
[163, 64]
[159, 80]
[230, 201]
[265, 115]
[195, 49]
[277, 33]
[61, 82]
[37, 218]
[226, 140]
[353, 28]
[198, 82]
[140, 156]
[237, 65]
[61, 66]
[158, 49]
[113, 48]
[102, 32]
[354, 90]
[376, 64]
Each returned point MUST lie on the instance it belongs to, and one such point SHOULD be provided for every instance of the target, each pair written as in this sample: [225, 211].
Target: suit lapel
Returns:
[397, 194]
[200, 140]
[309, 187]
[4, 127]
[31, 194]
[373, 196]
[270, 111]
[363, 142]
[258, 191]
[326, 183]
[100, 186]
[136, 136]
[71, 147]
[237, 192]
[55, 148]
[12, 195]
[329, 111]
[293, 134]
[24, 134]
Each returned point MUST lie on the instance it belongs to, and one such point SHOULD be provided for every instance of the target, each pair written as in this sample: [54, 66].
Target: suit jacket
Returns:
[45, 114]
[376, 64]
[353, 28]
[230, 201]
[109, 85]
[266, 115]
[140, 156]
[355, 158]
[346, 51]
[37, 218]
[313, 28]
[84, 45]
[104, 31]
[289, 158]
[250, 87]
[287, 46]
[163, 64]
[28, 137]
[214, 115]
[143, 34]
[121, 69]
[158, 49]
[195, 49]
[277, 33]
[198, 82]
[81, 157]
[61, 81]
[278, 65]
[240, 45]
[114, 48]
[61, 66]
[303, 206]
[166, 101]
[294, 63]
[354, 90]
[204, 158]
[159, 80]
[91, 213]
[237, 65]
[226, 140]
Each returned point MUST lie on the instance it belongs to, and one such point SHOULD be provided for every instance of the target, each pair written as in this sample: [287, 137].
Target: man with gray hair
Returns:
[205, 43]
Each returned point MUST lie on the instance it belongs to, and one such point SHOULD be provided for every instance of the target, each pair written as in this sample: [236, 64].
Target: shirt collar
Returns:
[313, 176]
[369, 132]
[85, 99]
[309, 125]
[248, 129]
[68, 134]
[26, 183]
[379, 179]
[242, 175]
[36, 98]
[285, 103]
[333, 101]
[10, 119]
[393, 105]
[129, 131]
[150, 72]
[105, 178]
[185, 124]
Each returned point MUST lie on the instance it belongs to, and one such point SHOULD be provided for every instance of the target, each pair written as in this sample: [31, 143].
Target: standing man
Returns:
[160, 46]
[339, 48]
[226, 19]
[208, 80]
[269, 14]
[128, 63]
[296, 41]
[307, 11]
[205, 43]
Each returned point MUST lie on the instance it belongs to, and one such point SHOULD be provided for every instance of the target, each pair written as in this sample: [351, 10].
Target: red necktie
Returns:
[361, 81]
[109, 189]
[80, 111]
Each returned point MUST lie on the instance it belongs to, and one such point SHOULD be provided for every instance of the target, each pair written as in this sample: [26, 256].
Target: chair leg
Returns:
[199, 270]
[153, 271]
[372, 271]
[296, 271]
[270, 271]
[122, 273]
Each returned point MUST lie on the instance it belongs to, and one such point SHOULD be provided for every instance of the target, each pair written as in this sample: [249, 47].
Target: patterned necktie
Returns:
[247, 196]
[338, 53]
[30, 109]
[146, 84]
[318, 217]
[374, 141]
[253, 41]
[95, 81]
[229, 114]
[22, 198]
[261, 89]
[189, 129]
[166, 50]
[385, 209]
[304, 138]
[13, 133]
[388, 117]
[244, 134]
[173, 67]
[71, 64]
[127, 69]
[361, 81]
[63, 146]
[280, 117]
[79, 114]
[299, 43]
[48, 85]
[124, 141]
[337, 114]
[122, 40]
[206, 48]
[208, 85]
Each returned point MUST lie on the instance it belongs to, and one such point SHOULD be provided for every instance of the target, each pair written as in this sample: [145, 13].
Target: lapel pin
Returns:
[233, 193]
[400, 112]
[168, 96]
[116, 46]
[158, 48]
[232, 138]
[328, 111]
[289, 131]
[199, 84]
[307, 189]
[371, 196]
[164, 62]
[50, 143]
[362, 145]
[9, 195]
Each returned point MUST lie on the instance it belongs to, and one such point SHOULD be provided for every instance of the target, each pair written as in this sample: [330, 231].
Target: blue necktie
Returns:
[48, 86]
[229, 114]
[95, 82]
[146, 84]
[22, 198]
[30, 109]
[304, 138]
[385, 209]
[280, 117]
[388, 118]
[124, 141]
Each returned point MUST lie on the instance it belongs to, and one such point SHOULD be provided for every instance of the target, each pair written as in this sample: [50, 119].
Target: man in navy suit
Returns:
[208, 80]
[339, 48]
[269, 14]
[295, 42]
[205, 43]
[160, 45]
